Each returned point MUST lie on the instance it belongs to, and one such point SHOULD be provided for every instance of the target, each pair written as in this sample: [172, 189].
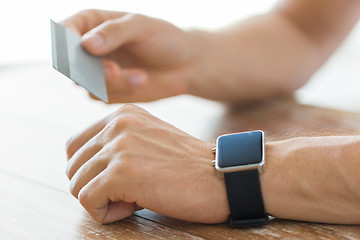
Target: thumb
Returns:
[114, 33]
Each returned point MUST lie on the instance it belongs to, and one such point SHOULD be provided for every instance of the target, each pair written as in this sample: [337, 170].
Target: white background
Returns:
[25, 33]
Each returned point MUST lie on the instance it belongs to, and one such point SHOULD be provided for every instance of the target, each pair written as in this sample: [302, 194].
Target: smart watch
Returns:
[239, 160]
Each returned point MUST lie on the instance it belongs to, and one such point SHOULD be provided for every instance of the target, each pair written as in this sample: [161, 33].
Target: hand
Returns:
[144, 58]
[131, 159]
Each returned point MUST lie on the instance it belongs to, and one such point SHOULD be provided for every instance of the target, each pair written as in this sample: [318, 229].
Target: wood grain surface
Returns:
[40, 110]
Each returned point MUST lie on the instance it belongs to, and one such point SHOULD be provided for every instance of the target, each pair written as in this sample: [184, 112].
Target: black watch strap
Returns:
[245, 199]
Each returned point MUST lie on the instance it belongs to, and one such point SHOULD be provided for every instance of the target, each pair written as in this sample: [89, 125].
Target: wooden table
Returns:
[40, 110]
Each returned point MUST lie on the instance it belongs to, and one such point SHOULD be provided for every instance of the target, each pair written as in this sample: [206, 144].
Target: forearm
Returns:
[272, 53]
[314, 179]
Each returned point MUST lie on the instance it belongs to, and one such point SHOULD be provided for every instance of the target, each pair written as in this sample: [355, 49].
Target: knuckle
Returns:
[124, 148]
[121, 122]
[127, 150]
[128, 108]
[121, 144]
[110, 23]
[134, 17]
[114, 127]
[87, 12]
[99, 218]
[128, 120]
[109, 27]
[83, 198]
[125, 164]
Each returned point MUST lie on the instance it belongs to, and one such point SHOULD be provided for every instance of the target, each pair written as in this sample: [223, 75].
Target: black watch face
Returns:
[240, 149]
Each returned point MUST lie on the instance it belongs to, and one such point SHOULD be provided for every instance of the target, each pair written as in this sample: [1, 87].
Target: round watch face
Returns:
[240, 149]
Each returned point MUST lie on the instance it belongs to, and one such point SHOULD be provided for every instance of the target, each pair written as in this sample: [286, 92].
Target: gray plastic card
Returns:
[73, 61]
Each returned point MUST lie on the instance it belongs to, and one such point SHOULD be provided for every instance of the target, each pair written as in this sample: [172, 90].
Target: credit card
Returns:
[72, 60]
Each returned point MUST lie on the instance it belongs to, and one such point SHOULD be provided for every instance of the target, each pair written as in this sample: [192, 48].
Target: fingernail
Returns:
[137, 80]
[94, 39]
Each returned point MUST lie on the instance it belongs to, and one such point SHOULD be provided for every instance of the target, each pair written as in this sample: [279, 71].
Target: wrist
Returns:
[310, 179]
[289, 179]
[215, 75]
[272, 182]
[204, 66]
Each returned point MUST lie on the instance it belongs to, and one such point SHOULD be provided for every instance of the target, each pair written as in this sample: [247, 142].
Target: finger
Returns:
[80, 139]
[94, 197]
[123, 80]
[119, 210]
[156, 87]
[112, 34]
[84, 154]
[86, 20]
[86, 172]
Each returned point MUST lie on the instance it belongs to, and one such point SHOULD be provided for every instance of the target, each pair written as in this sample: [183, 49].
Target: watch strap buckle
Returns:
[243, 223]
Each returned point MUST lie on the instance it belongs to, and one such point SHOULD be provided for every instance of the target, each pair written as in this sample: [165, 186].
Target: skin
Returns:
[146, 59]
[132, 160]
[129, 159]
[314, 179]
